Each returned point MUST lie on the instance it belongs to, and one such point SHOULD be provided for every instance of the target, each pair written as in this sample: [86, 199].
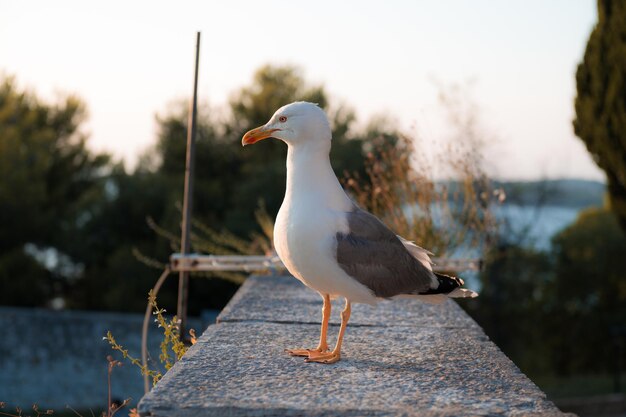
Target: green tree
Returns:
[552, 312]
[587, 295]
[510, 306]
[114, 225]
[61, 203]
[600, 106]
[229, 180]
[272, 87]
[23, 280]
[46, 172]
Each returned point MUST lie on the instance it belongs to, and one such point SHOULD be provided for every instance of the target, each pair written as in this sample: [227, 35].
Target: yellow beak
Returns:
[255, 135]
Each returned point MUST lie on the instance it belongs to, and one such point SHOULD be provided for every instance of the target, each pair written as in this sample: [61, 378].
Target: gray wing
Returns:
[373, 255]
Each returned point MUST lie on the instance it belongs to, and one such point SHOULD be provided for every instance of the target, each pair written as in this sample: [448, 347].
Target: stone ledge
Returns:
[286, 300]
[400, 359]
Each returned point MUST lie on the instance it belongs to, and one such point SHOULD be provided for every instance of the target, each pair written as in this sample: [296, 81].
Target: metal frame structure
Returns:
[203, 263]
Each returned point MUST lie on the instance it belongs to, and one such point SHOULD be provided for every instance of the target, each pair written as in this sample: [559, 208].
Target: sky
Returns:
[129, 60]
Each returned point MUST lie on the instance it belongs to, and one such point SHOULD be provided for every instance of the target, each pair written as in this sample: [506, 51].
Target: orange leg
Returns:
[322, 346]
[335, 355]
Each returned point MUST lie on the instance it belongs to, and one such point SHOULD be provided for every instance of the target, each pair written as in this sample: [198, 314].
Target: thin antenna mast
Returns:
[183, 280]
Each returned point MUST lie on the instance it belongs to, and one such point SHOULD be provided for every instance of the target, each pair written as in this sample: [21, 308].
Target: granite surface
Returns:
[286, 300]
[400, 358]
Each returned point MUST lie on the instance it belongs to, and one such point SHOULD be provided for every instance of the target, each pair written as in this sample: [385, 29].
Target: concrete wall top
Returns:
[400, 358]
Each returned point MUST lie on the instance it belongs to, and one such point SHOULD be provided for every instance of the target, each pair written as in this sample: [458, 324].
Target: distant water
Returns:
[535, 226]
[527, 225]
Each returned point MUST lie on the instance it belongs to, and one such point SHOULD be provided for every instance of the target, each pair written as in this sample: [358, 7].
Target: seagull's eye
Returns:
[282, 119]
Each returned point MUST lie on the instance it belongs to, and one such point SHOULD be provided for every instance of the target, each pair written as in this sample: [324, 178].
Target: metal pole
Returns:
[183, 280]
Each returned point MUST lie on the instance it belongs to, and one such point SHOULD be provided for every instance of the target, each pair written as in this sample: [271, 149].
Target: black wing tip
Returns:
[447, 284]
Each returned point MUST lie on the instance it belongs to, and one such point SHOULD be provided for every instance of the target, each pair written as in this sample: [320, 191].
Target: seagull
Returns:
[330, 244]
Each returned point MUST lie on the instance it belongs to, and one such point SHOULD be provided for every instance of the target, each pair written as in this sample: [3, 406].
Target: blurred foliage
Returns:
[229, 181]
[441, 216]
[407, 187]
[46, 176]
[45, 167]
[510, 305]
[588, 292]
[600, 106]
[24, 281]
[553, 312]
[114, 224]
[83, 216]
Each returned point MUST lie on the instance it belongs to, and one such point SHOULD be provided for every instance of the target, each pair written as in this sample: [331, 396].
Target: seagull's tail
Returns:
[448, 287]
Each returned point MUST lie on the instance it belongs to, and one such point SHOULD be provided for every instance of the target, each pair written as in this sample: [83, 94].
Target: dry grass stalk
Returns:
[402, 188]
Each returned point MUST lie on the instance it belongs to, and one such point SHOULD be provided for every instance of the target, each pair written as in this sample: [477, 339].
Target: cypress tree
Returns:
[601, 100]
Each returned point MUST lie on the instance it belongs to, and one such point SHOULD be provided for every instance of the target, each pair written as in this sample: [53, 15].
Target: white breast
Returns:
[312, 213]
[305, 242]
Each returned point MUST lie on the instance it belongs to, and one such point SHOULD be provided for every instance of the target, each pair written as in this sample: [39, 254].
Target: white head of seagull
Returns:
[305, 129]
[297, 124]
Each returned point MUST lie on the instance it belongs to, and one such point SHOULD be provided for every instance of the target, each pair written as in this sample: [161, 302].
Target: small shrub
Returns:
[171, 343]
